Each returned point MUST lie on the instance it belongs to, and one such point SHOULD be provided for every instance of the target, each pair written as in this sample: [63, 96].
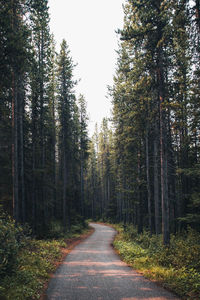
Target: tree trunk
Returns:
[140, 199]
[54, 206]
[15, 167]
[164, 172]
[198, 14]
[42, 143]
[163, 144]
[156, 184]
[34, 135]
[148, 181]
[64, 191]
[15, 173]
[82, 186]
[21, 138]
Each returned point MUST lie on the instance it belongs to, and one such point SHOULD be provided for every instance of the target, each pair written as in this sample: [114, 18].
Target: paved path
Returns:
[93, 271]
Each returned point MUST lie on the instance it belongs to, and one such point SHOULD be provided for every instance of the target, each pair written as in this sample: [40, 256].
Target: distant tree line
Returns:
[147, 172]
[43, 127]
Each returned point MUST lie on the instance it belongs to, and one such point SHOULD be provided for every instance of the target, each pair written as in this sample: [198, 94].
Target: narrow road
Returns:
[93, 271]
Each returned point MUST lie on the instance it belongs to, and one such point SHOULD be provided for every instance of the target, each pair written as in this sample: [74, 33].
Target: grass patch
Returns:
[176, 267]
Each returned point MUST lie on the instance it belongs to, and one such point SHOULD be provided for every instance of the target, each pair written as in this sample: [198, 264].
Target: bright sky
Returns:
[89, 28]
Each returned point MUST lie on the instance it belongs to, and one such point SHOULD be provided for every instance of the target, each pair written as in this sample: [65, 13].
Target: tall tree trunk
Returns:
[64, 190]
[148, 181]
[164, 170]
[82, 185]
[42, 143]
[21, 138]
[197, 8]
[140, 198]
[15, 150]
[54, 206]
[163, 144]
[15, 167]
[156, 183]
[34, 141]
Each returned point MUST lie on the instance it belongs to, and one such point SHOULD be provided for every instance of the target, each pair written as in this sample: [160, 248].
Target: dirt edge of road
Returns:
[71, 243]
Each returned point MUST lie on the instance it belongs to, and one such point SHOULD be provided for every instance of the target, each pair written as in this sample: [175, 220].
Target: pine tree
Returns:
[65, 100]
[51, 130]
[83, 146]
[39, 79]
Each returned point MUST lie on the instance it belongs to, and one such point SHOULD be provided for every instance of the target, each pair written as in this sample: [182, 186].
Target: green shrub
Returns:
[27, 262]
[35, 261]
[55, 230]
[12, 239]
[177, 267]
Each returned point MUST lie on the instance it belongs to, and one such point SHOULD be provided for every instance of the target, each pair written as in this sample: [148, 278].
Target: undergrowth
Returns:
[176, 267]
[25, 263]
[35, 262]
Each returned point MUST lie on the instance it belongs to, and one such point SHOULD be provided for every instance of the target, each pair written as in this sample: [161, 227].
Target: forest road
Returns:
[93, 271]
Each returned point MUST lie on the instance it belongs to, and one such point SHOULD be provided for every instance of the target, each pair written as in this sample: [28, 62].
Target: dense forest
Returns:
[145, 168]
[43, 126]
[141, 168]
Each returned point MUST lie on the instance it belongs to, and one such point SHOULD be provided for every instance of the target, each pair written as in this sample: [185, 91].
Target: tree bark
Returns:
[197, 8]
[140, 199]
[15, 150]
[148, 181]
[21, 138]
[164, 164]
[15, 167]
[64, 191]
[156, 184]
[82, 185]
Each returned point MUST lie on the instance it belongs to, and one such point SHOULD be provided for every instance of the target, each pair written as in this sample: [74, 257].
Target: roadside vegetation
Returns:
[176, 267]
[25, 262]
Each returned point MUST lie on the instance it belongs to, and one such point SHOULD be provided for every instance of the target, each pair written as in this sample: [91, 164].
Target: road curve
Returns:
[93, 271]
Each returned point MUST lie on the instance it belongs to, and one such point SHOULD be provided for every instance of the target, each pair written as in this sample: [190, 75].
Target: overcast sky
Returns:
[89, 28]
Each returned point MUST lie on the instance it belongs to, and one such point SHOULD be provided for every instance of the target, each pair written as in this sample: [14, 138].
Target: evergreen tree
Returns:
[51, 130]
[65, 101]
[83, 146]
[39, 80]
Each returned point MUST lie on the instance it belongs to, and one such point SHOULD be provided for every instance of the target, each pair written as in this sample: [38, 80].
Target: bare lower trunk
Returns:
[140, 199]
[148, 182]
[156, 188]
[82, 187]
[164, 180]
[64, 192]
[198, 14]
[15, 173]
[15, 168]
[21, 130]
[34, 167]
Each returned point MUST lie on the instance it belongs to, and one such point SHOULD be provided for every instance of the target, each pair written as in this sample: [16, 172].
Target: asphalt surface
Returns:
[93, 271]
